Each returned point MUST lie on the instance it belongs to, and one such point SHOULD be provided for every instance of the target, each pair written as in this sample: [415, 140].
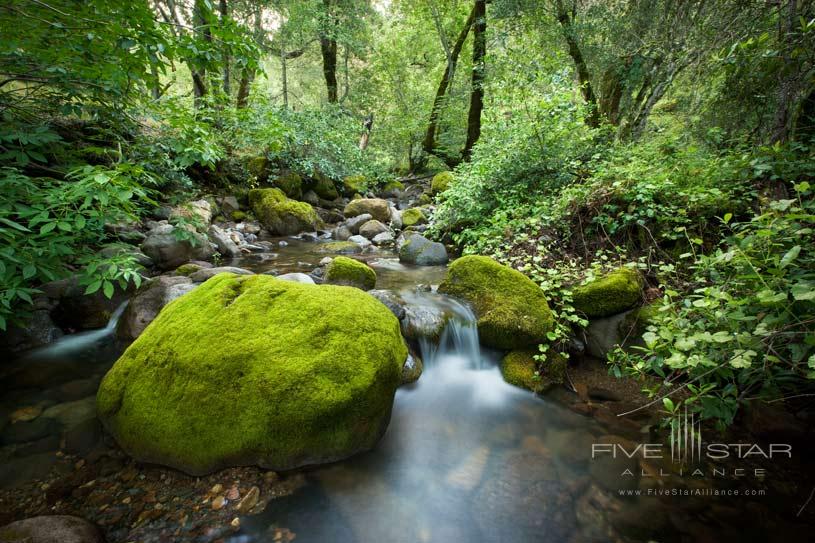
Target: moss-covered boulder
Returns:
[252, 370]
[187, 269]
[613, 293]
[281, 215]
[512, 311]
[354, 184]
[413, 217]
[351, 273]
[392, 188]
[291, 184]
[441, 181]
[375, 207]
[339, 247]
[324, 187]
[520, 368]
[258, 167]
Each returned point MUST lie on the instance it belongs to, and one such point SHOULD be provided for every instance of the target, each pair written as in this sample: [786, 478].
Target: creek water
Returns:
[466, 457]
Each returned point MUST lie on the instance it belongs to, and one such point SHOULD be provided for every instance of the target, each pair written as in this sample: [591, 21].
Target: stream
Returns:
[466, 457]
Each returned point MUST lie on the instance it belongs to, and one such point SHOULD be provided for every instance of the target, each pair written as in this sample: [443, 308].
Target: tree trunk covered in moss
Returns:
[328, 48]
[565, 20]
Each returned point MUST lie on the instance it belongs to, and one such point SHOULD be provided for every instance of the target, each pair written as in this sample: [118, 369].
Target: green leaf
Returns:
[669, 404]
[107, 289]
[790, 256]
[93, 287]
[29, 271]
[47, 227]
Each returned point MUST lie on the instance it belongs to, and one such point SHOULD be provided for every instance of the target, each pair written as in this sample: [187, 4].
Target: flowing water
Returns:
[466, 456]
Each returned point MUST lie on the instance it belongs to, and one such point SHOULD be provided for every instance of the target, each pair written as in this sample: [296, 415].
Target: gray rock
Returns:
[354, 223]
[202, 275]
[127, 250]
[51, 529]
[22, 432]
[198, 209]
[37, 331]
[296, 278]
[423, 322]
[70, 414]
[342, 233]
[360, 240]
[419, 250]
[372, 228]
[383, 239]
[75, 310]
[228, 205]
[326, 260]
[168, 251]
[226, 245]
[391, 300]
[311, 197]
[396, 218]
[145, 306]
[412, 369]
[83, 437]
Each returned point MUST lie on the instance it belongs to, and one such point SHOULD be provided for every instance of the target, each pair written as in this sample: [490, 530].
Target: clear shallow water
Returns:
[466, 456]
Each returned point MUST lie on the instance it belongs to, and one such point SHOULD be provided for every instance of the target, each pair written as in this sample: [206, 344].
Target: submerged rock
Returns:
[412, 369]
[512, 311]
[51, 529]
[254, 370]
[281, 215]
[339, 247]
[349, 272]
[611, 294]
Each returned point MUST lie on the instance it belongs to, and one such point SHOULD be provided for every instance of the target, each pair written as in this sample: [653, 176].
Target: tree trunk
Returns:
[787, 83]
[284, 79]
[224, 10]
[199, 86]
[429, 142]
[477, 91]
[247, 74]
[366, 132]
[328, 47]
[565, 19]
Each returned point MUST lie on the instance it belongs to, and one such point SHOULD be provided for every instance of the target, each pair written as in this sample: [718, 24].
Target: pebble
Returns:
[217, 489]
[249, 501]
[233, 493]
[218, 503]
[236, 523]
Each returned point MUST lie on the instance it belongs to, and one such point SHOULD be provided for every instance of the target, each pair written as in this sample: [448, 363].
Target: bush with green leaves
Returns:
[745, 328]
[52, 228]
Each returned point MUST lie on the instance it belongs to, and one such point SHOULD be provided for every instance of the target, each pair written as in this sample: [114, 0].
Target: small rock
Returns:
[217, 489]
[218, 503]
[360, 240]
[233, 493]
[25, 414]
[236, 523]
[249, 501]
[296, 278]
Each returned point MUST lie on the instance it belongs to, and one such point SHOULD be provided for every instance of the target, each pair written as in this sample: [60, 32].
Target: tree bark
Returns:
[787, 84]
[202, 31]
[224, 11]
[565, 20]
[429, 142]
[328, 47]
[479, 67]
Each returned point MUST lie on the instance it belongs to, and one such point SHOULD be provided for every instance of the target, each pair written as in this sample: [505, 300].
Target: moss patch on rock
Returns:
[413, 217]
[324, 187]
[520, 368]
[251, 370]
[281, 215]
[349, 272]
[258, 167]
[512, 311]
[187, 269]
[291, 184]
[375, 207]
[238, 216]
[354, 184]
[613, 293]
[339, 247]
[441, 182]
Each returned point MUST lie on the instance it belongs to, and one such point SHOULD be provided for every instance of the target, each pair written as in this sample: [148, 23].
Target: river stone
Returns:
[354, 223]
[512, 311]
[339, 247]
[396, 218]
[21, 432]
[297, 277]
[70, 414]
[342, 233]
[38, 330]
[391, 300]
[412, 369]
[423, 322]
[613, 293]
[228, 205]
[281, 215]
[207, 273]
[168, 252]
[198, 210]
[377, 208]
[51, 529]
[75, 310]
[362, 241]
[226, 245]
[252, 370]
[349, 272]
[383, 239]
[149, 300]
[417, 249]
[372, 228]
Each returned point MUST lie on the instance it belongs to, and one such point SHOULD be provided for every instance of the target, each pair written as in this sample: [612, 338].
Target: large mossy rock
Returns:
[375, 207]
[252, 370]
[512, 311]
[413, 217]
[354, 184]
[613, 293]
[281, 215]
[519, 368]
[324, 187]
[351, 273]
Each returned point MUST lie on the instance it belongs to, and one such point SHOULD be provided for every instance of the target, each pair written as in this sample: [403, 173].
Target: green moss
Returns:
[377, 207]
[354, 184]
[281, 215]
[238, 216]
[187, 269]
[441, 181]
[413, 216]
[637, 320]
[251, 370]
[259, 167]
[291, 184]
[339, 247]
[519, 367]
[425, 199]
[324, 187]
[611, 294]
[349, 272]
[512, 310]
[393, 185]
